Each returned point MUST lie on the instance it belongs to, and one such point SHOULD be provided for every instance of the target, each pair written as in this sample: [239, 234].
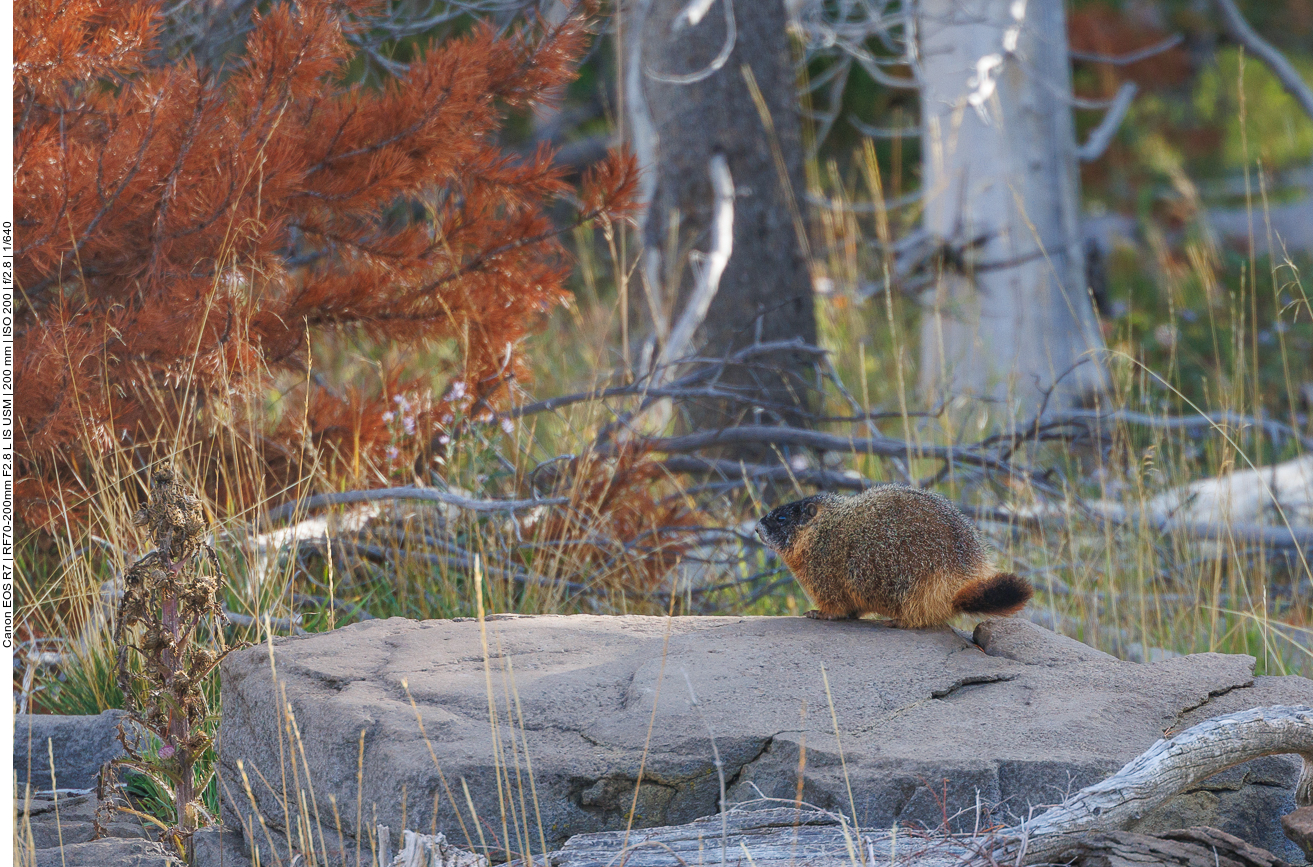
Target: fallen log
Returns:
[1171, 766]
[794, 836]
[1186, 847]
[756, 835]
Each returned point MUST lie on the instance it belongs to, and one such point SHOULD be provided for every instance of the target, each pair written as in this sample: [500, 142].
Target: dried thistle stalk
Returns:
[167, 596]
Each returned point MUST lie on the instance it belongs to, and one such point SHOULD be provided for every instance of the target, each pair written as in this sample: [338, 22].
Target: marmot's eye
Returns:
[810, 509]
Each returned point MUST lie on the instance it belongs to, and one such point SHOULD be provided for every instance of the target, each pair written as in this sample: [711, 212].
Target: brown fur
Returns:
[893, 550]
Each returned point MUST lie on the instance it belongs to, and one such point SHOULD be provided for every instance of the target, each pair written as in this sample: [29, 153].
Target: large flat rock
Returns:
[931, 726]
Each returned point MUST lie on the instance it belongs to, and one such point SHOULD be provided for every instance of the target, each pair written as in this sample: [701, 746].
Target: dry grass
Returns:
[1199, 330]
[1120, 586]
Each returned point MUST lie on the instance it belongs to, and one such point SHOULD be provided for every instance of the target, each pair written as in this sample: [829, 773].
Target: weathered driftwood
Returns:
[792, 836]
[1187, 847]
[760, 837]
[1262, 496]
[422, 850]
[1166, 769]
[1270, 506]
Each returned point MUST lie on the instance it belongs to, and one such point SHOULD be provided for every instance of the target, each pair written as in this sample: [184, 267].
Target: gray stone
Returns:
[46, 822]
[111, 852]
[82, 745]
[931, 725]
[218, 846]
[1027, 642]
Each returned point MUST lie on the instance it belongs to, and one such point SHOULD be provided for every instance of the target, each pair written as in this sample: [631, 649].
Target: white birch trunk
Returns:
[999, 162]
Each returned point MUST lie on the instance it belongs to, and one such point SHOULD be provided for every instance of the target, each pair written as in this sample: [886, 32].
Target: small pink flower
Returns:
[389, 415]
[507, 426]
[167, 751]
[393, 453]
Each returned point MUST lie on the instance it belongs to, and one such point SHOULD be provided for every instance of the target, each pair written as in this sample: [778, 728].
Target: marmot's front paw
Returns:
[817, 614]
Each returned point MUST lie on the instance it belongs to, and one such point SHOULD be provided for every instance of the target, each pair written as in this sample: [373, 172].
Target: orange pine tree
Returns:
[181, 235]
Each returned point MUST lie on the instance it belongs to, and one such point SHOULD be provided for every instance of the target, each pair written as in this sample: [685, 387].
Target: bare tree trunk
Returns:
[689, 100]
[1011, 314]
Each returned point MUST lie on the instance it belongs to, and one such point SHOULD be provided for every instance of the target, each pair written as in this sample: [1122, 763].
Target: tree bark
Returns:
[1011, 313]
[677, 126]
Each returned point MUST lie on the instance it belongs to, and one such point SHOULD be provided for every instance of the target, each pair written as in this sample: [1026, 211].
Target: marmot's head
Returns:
[781, 526]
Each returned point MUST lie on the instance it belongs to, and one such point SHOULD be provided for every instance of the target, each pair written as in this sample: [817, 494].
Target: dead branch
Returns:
[1101, 136]
[430, 495]
[1168, 768]
[451, 557]
[691, 16]
[738, 473]
[1131, 56]
[290, 625]
[708, 276]
[881, 446]
[704, 369]
[1090, 418]
[1239, 30]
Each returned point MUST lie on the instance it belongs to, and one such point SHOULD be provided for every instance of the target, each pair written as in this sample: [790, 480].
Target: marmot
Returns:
[894, 550]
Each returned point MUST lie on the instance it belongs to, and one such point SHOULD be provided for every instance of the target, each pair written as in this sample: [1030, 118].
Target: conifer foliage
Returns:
[184, 233]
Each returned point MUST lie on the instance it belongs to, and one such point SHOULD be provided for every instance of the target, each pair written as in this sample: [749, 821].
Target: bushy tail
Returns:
[1001, 594]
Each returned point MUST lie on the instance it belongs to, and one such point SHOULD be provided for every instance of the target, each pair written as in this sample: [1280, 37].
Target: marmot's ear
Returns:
[810, 510]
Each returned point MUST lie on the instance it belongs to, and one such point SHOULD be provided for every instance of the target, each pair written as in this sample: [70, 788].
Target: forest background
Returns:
[372, 279]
